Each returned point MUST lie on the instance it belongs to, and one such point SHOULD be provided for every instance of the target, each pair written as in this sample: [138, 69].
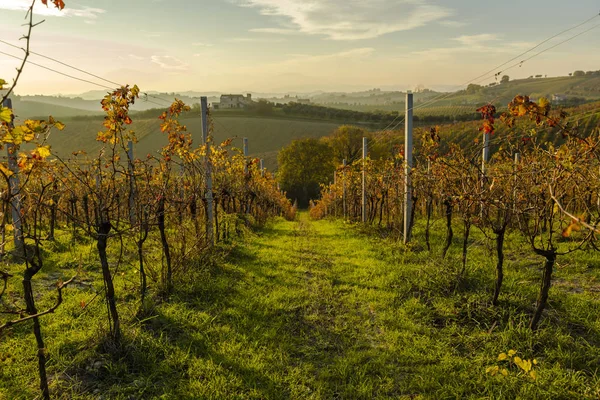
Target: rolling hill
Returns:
[266, 135]
[581, 88]
[34, 109]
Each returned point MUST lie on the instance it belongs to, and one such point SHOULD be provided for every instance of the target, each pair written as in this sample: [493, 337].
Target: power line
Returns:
[485, 75]
[69, 76]
[58, 72]
[64, 64]
[79, 70]
[552, 47]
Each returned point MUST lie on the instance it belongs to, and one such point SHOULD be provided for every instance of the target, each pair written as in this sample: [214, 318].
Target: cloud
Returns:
[452, 24]
[253, 40]
[23, 5]
[170, 63]
[484, 44]
[351, 19]
[276, 31]
[476, 40]
[317, 62]
[201, 44]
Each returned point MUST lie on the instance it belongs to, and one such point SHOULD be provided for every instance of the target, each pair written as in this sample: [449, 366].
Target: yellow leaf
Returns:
[535, 362]
[518, 361]
[59, 125]
[511, 353]
[504, 372]
[502, 357]
[492, 370]
[533, 375]
[43, 151]
[525, 365]
[6, 115]
[5, 170]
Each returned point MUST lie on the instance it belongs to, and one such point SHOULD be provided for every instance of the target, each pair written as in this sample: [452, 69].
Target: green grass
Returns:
[319, 310]
[266, 135]
[35, 109]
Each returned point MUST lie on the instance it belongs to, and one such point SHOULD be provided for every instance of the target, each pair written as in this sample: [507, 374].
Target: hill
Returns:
[573, 89]
[266, 135]
[34, 109]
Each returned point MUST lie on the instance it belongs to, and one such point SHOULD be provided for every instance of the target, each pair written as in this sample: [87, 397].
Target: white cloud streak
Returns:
[170, 63]
[276, 31]
[484, 44]
[253, 40]
[350, 19]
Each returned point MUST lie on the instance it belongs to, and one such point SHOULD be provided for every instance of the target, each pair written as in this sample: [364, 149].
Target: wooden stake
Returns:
[208, 174]
[408, 156]
[364, 181]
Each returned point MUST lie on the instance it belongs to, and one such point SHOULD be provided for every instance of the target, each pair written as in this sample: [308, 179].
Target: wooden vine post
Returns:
[408, 156]
[208, 173]
[344, 190]
[364, 180]
[132, 188]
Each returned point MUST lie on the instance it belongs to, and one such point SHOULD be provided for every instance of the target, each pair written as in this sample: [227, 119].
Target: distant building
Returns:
[303, 101]
[229, 101]
[559, 98]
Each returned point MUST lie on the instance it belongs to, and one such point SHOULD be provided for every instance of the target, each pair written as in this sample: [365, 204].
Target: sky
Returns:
[294, 45]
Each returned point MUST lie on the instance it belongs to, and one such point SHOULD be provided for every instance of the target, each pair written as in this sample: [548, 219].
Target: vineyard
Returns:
[549, 193]
[540, 186]
[113, 262]
[147, 255]
[181, 202]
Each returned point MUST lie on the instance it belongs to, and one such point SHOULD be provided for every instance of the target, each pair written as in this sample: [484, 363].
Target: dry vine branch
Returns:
[568, 214]
[27, 37]
[4, 276]
[59, 301]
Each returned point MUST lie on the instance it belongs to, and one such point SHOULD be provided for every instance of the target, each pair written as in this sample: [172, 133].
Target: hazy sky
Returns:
[295, 45]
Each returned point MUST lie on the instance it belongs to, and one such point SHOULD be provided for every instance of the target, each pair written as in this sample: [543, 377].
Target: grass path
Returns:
[317, 310]
[299, 319]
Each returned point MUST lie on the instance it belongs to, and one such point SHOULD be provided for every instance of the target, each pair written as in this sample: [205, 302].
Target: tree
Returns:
[263, 107]
[578, 73]
[474, 88]
[505, 79]
[304, 165]
[346, 143]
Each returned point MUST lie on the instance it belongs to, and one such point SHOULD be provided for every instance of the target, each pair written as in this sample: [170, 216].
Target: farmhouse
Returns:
[233, 101]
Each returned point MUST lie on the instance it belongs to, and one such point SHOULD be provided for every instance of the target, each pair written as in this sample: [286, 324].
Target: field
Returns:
[33, 109]
[266, 135]
[585, 87]
[320, 310]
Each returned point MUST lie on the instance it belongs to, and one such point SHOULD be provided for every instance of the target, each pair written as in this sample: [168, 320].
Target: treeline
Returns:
[316, 111]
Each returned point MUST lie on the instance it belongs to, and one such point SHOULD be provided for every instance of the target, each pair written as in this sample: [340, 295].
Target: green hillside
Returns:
[266, 135]
[586, 117]
[34, 109]
[575, 89]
